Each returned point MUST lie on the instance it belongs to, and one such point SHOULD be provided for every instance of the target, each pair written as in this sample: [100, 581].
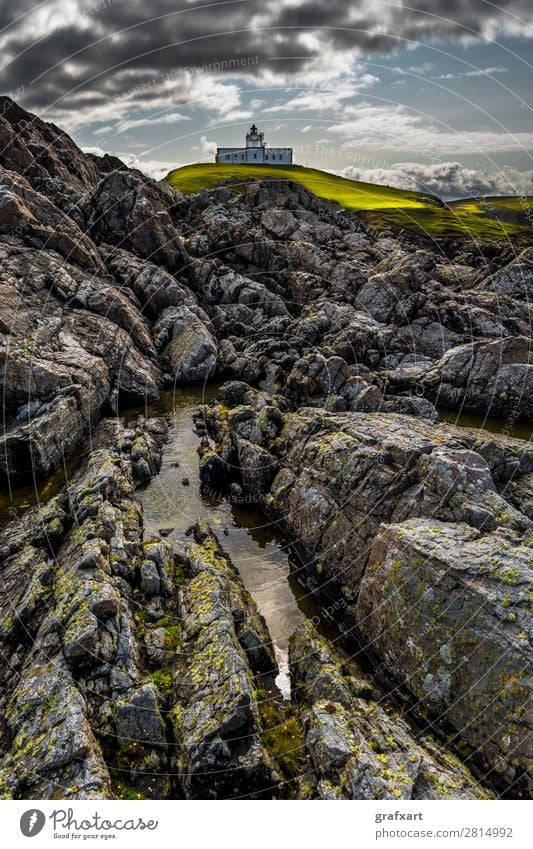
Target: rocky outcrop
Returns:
[26, 212]
[83, 719]
[71, 346]
[45, 155]
[515, 280]
[332, 478]
[130, 213]
[486, 377]
[189, 350]
[355, 490]
[450, 610]
[104, 634]
[113, 286]
[358, 749]
[129, 670]
[216, 719]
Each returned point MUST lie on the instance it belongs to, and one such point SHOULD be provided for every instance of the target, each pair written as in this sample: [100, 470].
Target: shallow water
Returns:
[257, 549]
[504, 427]
[15, 500]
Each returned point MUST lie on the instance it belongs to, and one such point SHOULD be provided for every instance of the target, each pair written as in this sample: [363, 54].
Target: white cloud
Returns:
[151, 167]
[478, 72]
[161, 120]
[325, 98]
[233, 117]
[394, 127]
[92, 149]
[207, 147]
[446, 179]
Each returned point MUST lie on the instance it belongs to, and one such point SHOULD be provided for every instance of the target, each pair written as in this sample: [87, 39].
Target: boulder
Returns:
[190, 353]
[494, 378]
[448, 608]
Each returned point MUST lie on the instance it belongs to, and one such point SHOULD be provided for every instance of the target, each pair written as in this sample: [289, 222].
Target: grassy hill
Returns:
[513, 210]
[382, 207]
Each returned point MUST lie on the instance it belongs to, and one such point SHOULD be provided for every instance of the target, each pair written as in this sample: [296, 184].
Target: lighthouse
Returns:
[256, 152]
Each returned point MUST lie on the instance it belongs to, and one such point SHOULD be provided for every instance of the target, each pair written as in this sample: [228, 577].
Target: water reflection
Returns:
[173, 501]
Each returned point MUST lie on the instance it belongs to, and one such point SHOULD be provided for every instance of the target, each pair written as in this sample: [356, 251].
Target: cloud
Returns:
[207, 147]
[152, 168]
[171, 118]
[78, 55]
[478, 72]
[325, 98]
[394, 127]
[446, 179]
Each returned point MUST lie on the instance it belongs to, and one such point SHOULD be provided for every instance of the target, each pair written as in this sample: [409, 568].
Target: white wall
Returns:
[227, 155]
[281, 155]
[254, 156]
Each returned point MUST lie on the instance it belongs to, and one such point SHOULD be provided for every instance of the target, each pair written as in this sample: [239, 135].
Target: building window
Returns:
[227, 155]
[255, 155]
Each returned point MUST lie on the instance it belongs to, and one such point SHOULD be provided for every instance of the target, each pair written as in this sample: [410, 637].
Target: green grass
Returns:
[516, 204]
[353, 196]
[282, 734]
[381, 207]
[505, 210]
[437, 222]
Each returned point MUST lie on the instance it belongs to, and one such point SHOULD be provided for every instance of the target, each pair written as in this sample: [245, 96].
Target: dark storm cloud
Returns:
[10, 10]
[136, 41]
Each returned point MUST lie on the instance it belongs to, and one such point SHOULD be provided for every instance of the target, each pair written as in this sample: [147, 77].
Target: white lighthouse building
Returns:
[255, 153]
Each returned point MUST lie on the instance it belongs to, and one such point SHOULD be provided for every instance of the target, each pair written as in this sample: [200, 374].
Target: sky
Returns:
[419, 94]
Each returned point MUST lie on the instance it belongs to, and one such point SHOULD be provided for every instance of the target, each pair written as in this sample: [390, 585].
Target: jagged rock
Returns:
[138, 718]
[315, 375]
[216, 720]
[40, 223]
[485, 377]
[448, 608]
[191, 351]
[515, 279]
[101, 305]
[60, 354]
[46, 156]
[130, 213]
[280, 223]
[341, 475]
[71, 677]
[155, 287]
[359, 750]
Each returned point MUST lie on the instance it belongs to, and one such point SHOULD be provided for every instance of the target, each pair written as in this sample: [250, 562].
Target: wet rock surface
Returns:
[74, 692]
[216, 719]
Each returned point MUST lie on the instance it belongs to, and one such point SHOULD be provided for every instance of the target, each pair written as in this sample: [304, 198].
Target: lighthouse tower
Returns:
[254, 139]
